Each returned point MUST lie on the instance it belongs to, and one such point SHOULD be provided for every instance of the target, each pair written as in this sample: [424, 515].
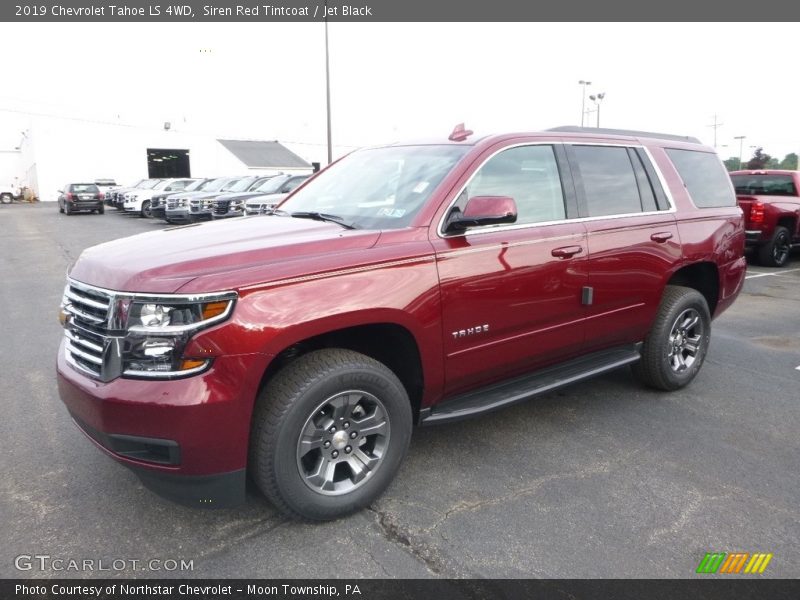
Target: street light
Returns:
[741, 139]
[583, 98]
[328, 87]
[597, 100]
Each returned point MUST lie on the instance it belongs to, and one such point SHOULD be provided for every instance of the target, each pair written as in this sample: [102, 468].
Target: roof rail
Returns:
[630, 132]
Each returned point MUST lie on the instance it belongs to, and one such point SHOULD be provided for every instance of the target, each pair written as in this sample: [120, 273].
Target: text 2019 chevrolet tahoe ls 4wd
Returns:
[408, 283]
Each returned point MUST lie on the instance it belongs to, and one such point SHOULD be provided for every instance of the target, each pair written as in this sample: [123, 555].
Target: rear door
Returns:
[632, 239]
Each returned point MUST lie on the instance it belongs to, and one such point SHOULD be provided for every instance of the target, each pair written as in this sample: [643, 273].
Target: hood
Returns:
[164, 261]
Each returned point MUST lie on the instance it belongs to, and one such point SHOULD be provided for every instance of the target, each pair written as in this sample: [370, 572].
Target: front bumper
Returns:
[186, 215]
[186, 439]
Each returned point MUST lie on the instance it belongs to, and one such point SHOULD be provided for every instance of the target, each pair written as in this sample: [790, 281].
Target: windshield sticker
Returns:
[394, 213]
[420, 187]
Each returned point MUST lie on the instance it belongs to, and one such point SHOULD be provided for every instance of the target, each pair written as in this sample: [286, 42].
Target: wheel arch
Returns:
[389, 342]
[701, 276]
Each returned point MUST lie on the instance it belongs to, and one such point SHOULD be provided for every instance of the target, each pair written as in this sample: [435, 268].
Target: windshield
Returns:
[216, 185]
[149, 184]
[239, 185]
[161, 184]
[195, 185]
[379, 188]
[764, 185]
[270, 186]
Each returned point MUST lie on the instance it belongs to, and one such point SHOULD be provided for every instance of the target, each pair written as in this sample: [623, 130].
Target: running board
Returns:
[506, 393]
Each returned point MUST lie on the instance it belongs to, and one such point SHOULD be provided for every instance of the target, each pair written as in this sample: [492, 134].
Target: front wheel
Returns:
[329, 433]
[775, 253]
[6, 198]
[146, 209]
[676, 346]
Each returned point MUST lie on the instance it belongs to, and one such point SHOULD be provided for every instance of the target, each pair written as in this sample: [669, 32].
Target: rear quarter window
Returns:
[704, 176]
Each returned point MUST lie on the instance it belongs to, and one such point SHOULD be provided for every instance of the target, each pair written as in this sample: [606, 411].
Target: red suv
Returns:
[411, 283]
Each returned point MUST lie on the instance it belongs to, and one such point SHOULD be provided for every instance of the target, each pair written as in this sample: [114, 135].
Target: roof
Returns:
[264, 155]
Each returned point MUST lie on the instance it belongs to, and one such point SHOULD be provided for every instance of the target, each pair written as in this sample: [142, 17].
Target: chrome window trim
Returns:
[493, 228]
[145, 296]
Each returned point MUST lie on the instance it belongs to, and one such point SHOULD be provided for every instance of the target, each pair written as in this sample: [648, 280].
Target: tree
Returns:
[789, 162]
[732, 164]
[760, 160]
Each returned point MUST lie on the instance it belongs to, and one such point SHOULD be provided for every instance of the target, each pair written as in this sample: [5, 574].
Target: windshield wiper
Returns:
[317, 216]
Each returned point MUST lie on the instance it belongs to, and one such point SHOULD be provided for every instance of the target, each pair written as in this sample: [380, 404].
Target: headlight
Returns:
[158, 330]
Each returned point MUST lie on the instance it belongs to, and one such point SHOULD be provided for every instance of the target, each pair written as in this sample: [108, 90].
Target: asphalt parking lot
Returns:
[601, 479]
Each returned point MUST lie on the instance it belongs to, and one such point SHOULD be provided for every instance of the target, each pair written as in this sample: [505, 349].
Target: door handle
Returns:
[661, 237]
[566, 251]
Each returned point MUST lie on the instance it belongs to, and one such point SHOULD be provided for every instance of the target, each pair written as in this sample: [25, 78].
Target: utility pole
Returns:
[716, 125]
[583, 99]
[741, 139]
[328, 87]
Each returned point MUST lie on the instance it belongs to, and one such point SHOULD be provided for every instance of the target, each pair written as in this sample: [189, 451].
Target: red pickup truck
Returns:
[411, 283]
[771, 206]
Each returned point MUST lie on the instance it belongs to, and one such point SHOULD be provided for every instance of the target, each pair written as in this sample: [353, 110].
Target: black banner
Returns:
[466, 589]
[393, 11]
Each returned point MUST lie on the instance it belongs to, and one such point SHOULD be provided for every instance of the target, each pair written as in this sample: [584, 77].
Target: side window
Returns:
[704, 176]
[609, 181]
[529, 175]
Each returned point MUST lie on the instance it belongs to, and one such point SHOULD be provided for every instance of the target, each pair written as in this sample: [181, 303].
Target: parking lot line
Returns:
[770, 274]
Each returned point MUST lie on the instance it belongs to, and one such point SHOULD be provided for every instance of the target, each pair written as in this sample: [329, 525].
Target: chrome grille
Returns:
[172, 203]
[221, 207]
[87, 342]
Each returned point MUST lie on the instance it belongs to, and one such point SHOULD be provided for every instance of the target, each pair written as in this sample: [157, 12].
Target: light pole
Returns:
[597, 99]
[328, 87]
[583, 98]
[741, 139]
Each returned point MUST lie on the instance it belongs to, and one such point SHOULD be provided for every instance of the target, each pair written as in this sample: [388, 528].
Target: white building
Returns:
[54, 151]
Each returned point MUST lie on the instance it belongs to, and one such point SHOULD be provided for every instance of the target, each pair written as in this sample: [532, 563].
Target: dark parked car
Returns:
[77, 197]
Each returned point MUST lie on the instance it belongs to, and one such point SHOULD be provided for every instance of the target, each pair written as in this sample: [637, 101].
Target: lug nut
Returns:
[332, 429]
[335, 454]
[348, 449]
[327, 444]
[346, 424]
[353, 435]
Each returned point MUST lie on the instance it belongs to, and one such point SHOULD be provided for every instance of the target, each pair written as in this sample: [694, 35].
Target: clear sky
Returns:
[407, 80]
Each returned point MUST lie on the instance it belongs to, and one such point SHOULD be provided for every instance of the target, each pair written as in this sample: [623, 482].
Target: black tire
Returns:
[668, 361]
[60, 208]
[775, 253]
[67, 209]
[146, 209]
[6, 198]
[101, 210]
[289, 405]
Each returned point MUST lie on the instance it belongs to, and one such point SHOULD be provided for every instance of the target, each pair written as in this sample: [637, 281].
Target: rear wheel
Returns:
[676, 346]
[6, 198]
[329, 433]
[101, 210]
[146, 209]
[775, 253]
[67, 209]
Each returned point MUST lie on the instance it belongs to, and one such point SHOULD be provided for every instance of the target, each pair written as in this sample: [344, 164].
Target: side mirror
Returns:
[482, 210]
